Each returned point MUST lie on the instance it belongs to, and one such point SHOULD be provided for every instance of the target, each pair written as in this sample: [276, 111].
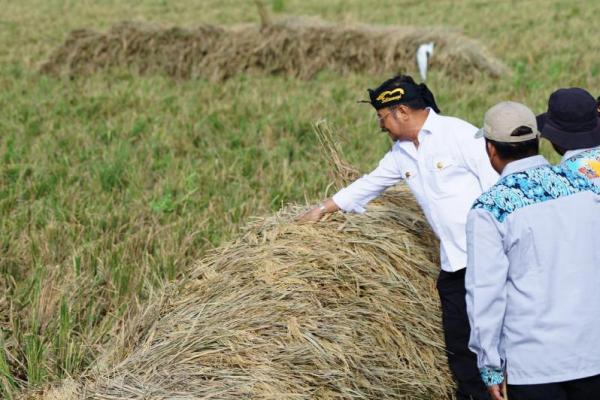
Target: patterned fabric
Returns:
[491, 376]
[586, 163]
[532, 186]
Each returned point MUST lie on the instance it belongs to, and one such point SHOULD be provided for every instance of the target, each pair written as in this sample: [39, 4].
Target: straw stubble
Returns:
[344, 308]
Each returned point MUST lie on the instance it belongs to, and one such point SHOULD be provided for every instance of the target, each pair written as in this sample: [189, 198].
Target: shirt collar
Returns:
[573, 153]
[431, 122]
[428, 127]
[523, 164]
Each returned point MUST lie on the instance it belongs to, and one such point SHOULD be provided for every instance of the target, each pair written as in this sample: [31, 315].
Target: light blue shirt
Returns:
[533, 275]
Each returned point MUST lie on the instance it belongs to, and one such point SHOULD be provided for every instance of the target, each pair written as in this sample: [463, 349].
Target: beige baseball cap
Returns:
[504, 118]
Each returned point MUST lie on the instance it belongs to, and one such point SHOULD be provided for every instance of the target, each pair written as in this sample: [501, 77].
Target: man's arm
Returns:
[485, 282]
[355, 197]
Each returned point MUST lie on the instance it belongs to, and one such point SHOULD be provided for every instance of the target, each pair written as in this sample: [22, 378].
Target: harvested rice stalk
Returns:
[295, 46]
[345, 308]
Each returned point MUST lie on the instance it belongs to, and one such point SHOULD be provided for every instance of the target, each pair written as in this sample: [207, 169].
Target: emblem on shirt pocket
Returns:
[440, 163]
[442, 169]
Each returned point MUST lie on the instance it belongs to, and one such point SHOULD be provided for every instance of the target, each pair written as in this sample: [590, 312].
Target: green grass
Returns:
[112, 185]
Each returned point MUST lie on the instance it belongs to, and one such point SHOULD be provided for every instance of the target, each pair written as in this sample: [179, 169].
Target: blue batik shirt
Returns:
[533, 275]
[585, 162]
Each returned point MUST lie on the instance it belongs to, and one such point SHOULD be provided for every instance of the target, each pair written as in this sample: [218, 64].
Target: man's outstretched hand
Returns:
[312, 215]
[316, 213]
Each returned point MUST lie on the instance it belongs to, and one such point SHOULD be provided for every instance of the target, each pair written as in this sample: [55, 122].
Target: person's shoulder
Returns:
[455, 122]
[585, 163]
[589, 154]
[458, 129]
[458, 137]
[530, 187]
[510, 193]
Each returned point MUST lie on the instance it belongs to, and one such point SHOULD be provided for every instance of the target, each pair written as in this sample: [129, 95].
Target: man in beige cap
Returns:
[532, 272]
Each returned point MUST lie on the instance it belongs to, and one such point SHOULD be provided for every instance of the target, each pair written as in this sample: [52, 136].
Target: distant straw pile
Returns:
[296, 47]
[345, 308]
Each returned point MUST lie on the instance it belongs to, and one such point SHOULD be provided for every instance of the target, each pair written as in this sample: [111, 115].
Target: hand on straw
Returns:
[316, 213]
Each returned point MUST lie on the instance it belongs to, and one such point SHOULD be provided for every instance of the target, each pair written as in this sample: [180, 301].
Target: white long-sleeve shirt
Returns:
[533, 275]
[446, 173]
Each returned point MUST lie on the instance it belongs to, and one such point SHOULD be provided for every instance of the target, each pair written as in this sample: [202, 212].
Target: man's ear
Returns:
[403, 112]
[490, 150]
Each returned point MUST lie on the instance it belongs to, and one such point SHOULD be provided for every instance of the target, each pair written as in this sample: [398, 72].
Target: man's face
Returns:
[394, 121]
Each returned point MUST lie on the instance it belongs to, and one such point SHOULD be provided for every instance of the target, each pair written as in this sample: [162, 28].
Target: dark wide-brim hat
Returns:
[571, 121]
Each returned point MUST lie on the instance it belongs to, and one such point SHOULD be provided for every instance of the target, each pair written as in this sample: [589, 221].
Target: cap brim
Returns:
[510, 139]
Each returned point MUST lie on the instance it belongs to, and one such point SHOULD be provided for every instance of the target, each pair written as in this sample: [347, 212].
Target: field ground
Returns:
[112, 185]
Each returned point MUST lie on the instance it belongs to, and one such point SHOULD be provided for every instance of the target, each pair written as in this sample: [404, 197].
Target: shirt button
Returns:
[407, 174]
[439, 165]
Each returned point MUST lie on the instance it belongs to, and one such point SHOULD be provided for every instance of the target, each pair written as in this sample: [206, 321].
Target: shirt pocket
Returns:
[444, 174]
[408, 170]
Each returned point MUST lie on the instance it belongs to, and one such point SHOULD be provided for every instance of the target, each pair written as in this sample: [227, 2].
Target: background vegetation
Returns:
[111, 185]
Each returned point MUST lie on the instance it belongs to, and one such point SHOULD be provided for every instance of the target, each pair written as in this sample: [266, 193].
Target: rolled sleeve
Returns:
[355, 196]
[485, 282]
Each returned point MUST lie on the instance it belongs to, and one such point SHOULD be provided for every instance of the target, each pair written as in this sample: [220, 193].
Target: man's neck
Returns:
[512, 166]
[419, 116]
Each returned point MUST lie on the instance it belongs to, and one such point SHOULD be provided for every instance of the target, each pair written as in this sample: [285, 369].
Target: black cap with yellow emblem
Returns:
[402, 89]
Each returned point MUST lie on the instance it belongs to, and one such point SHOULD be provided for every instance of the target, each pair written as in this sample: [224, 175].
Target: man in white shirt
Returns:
[572, 125]
[446, 169]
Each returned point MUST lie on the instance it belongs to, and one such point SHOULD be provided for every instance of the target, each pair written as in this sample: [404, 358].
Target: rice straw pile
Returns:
[297, 47]
[344, 308]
